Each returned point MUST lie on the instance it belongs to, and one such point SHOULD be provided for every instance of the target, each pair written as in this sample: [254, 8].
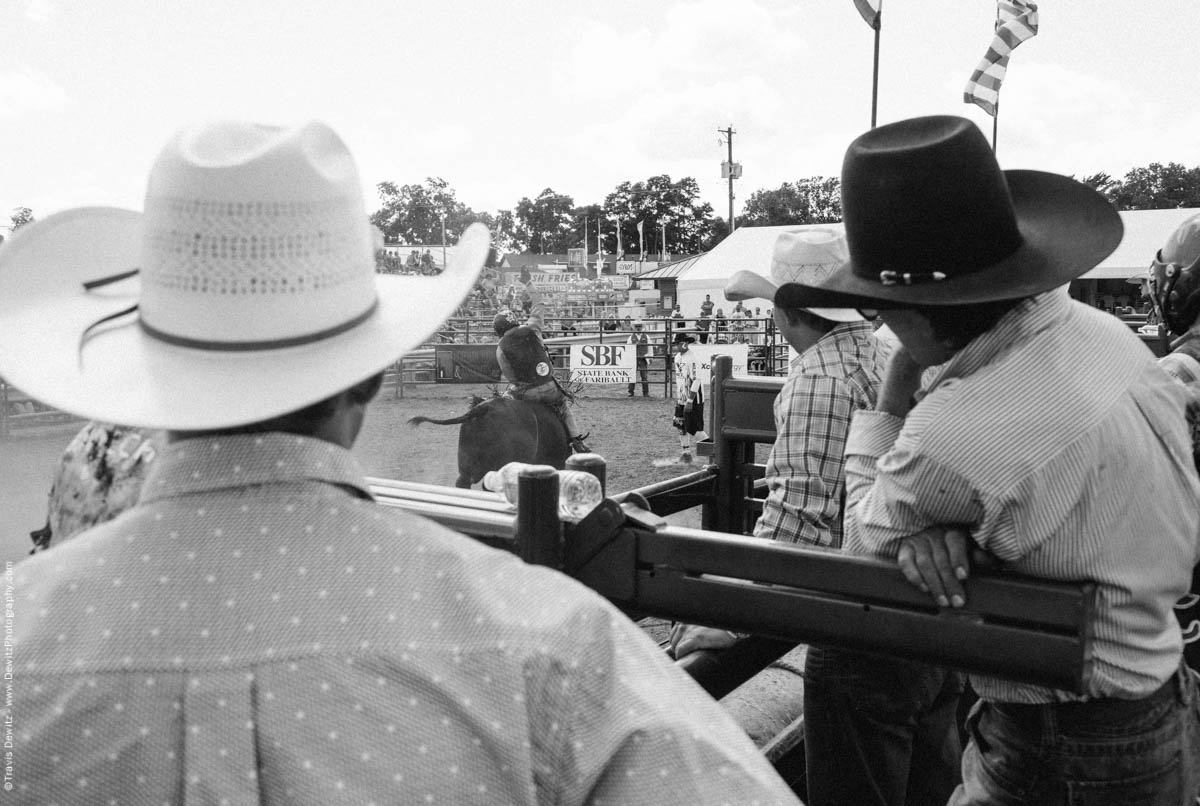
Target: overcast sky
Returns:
[504, 99]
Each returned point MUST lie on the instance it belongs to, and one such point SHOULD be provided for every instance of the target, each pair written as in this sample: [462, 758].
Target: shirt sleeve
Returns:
[894, 491]
[804, 470]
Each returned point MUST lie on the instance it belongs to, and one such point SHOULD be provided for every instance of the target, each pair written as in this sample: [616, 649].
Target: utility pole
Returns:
[443, 216]
[730, 169]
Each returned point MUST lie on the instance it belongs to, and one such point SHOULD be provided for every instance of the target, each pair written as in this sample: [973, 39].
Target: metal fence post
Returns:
[721, 515]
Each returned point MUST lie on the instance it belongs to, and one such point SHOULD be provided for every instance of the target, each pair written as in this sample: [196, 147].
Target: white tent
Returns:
[751, 248]
[747, 248]
[1145, 233]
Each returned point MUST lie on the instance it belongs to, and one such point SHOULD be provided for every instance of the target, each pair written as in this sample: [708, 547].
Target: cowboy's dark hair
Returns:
[306, 420]
[958, 325]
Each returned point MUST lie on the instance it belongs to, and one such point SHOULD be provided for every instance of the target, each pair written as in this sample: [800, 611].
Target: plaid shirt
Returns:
[826, 384]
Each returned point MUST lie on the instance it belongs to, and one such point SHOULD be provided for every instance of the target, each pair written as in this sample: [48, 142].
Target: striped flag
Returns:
[869, 9]
[1016, 21]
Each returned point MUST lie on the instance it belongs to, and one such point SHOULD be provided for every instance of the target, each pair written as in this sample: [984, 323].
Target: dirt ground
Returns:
[630, 433]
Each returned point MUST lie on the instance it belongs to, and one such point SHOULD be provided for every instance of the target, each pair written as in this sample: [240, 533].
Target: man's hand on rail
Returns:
[936, 560]
[687, 638]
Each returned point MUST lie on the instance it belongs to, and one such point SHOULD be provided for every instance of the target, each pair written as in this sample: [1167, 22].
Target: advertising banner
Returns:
[701, 355]
[603, 363]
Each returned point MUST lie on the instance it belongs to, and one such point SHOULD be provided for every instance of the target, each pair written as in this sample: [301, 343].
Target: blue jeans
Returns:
[879, 731]
[1108, 751]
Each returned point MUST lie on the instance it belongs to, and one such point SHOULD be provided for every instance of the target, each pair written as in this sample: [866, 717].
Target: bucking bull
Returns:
[498, 430]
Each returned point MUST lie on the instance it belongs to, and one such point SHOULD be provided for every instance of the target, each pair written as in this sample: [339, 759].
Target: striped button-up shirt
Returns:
[826, 384]
[1063, 446]
[258, 630]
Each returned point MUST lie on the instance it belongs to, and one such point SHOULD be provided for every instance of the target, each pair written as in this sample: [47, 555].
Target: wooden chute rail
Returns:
[1012, 626]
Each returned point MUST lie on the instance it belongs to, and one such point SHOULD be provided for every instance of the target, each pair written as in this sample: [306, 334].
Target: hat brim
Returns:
[751, 285]
[1067, 228]
[122, 375]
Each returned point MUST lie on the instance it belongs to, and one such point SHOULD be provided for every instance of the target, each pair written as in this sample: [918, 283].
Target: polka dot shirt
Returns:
[258, 630]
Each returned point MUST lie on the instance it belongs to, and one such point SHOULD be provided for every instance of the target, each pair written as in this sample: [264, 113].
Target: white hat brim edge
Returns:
[129, 378]
[747, 284]
[837, 314]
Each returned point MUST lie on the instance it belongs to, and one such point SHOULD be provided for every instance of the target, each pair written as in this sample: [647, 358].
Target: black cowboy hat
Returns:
[932, 220]
[683, 338]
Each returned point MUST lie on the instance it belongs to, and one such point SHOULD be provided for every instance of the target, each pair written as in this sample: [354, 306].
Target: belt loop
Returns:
[1186, 683]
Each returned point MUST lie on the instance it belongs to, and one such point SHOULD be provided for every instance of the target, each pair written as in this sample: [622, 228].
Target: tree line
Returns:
[552, 222]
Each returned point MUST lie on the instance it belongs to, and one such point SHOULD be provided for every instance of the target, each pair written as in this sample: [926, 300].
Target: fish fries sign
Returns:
[603, 363]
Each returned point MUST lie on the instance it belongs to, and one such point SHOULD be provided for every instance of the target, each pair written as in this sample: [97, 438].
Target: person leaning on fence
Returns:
[1045, 435]
[1174, 282]
[720, 327]
[835, 373]
[256, 629]
[642, 344]
[703, 325]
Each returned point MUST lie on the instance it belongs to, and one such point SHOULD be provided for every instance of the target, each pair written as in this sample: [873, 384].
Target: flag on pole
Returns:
[869, 9]
[599, 250]
[641, 241]
[620, 248]
[1016, 21]
[666, 256]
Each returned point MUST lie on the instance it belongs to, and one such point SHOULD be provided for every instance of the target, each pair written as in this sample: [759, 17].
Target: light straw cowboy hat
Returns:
[805, 256]
[245, 290]
[932, 220]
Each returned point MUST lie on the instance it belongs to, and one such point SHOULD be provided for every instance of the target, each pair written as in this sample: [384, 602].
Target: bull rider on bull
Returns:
[526, 365]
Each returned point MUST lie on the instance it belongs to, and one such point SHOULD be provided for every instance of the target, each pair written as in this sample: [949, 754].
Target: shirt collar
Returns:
[839, 332]
[1018, 326]
[205, 464]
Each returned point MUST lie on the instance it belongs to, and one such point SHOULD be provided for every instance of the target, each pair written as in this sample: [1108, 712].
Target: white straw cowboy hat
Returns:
[245, 290]
[805, 256]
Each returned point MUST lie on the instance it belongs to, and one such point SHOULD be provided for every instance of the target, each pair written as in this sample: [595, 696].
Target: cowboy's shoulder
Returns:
[845, 353]
[1183, 364]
